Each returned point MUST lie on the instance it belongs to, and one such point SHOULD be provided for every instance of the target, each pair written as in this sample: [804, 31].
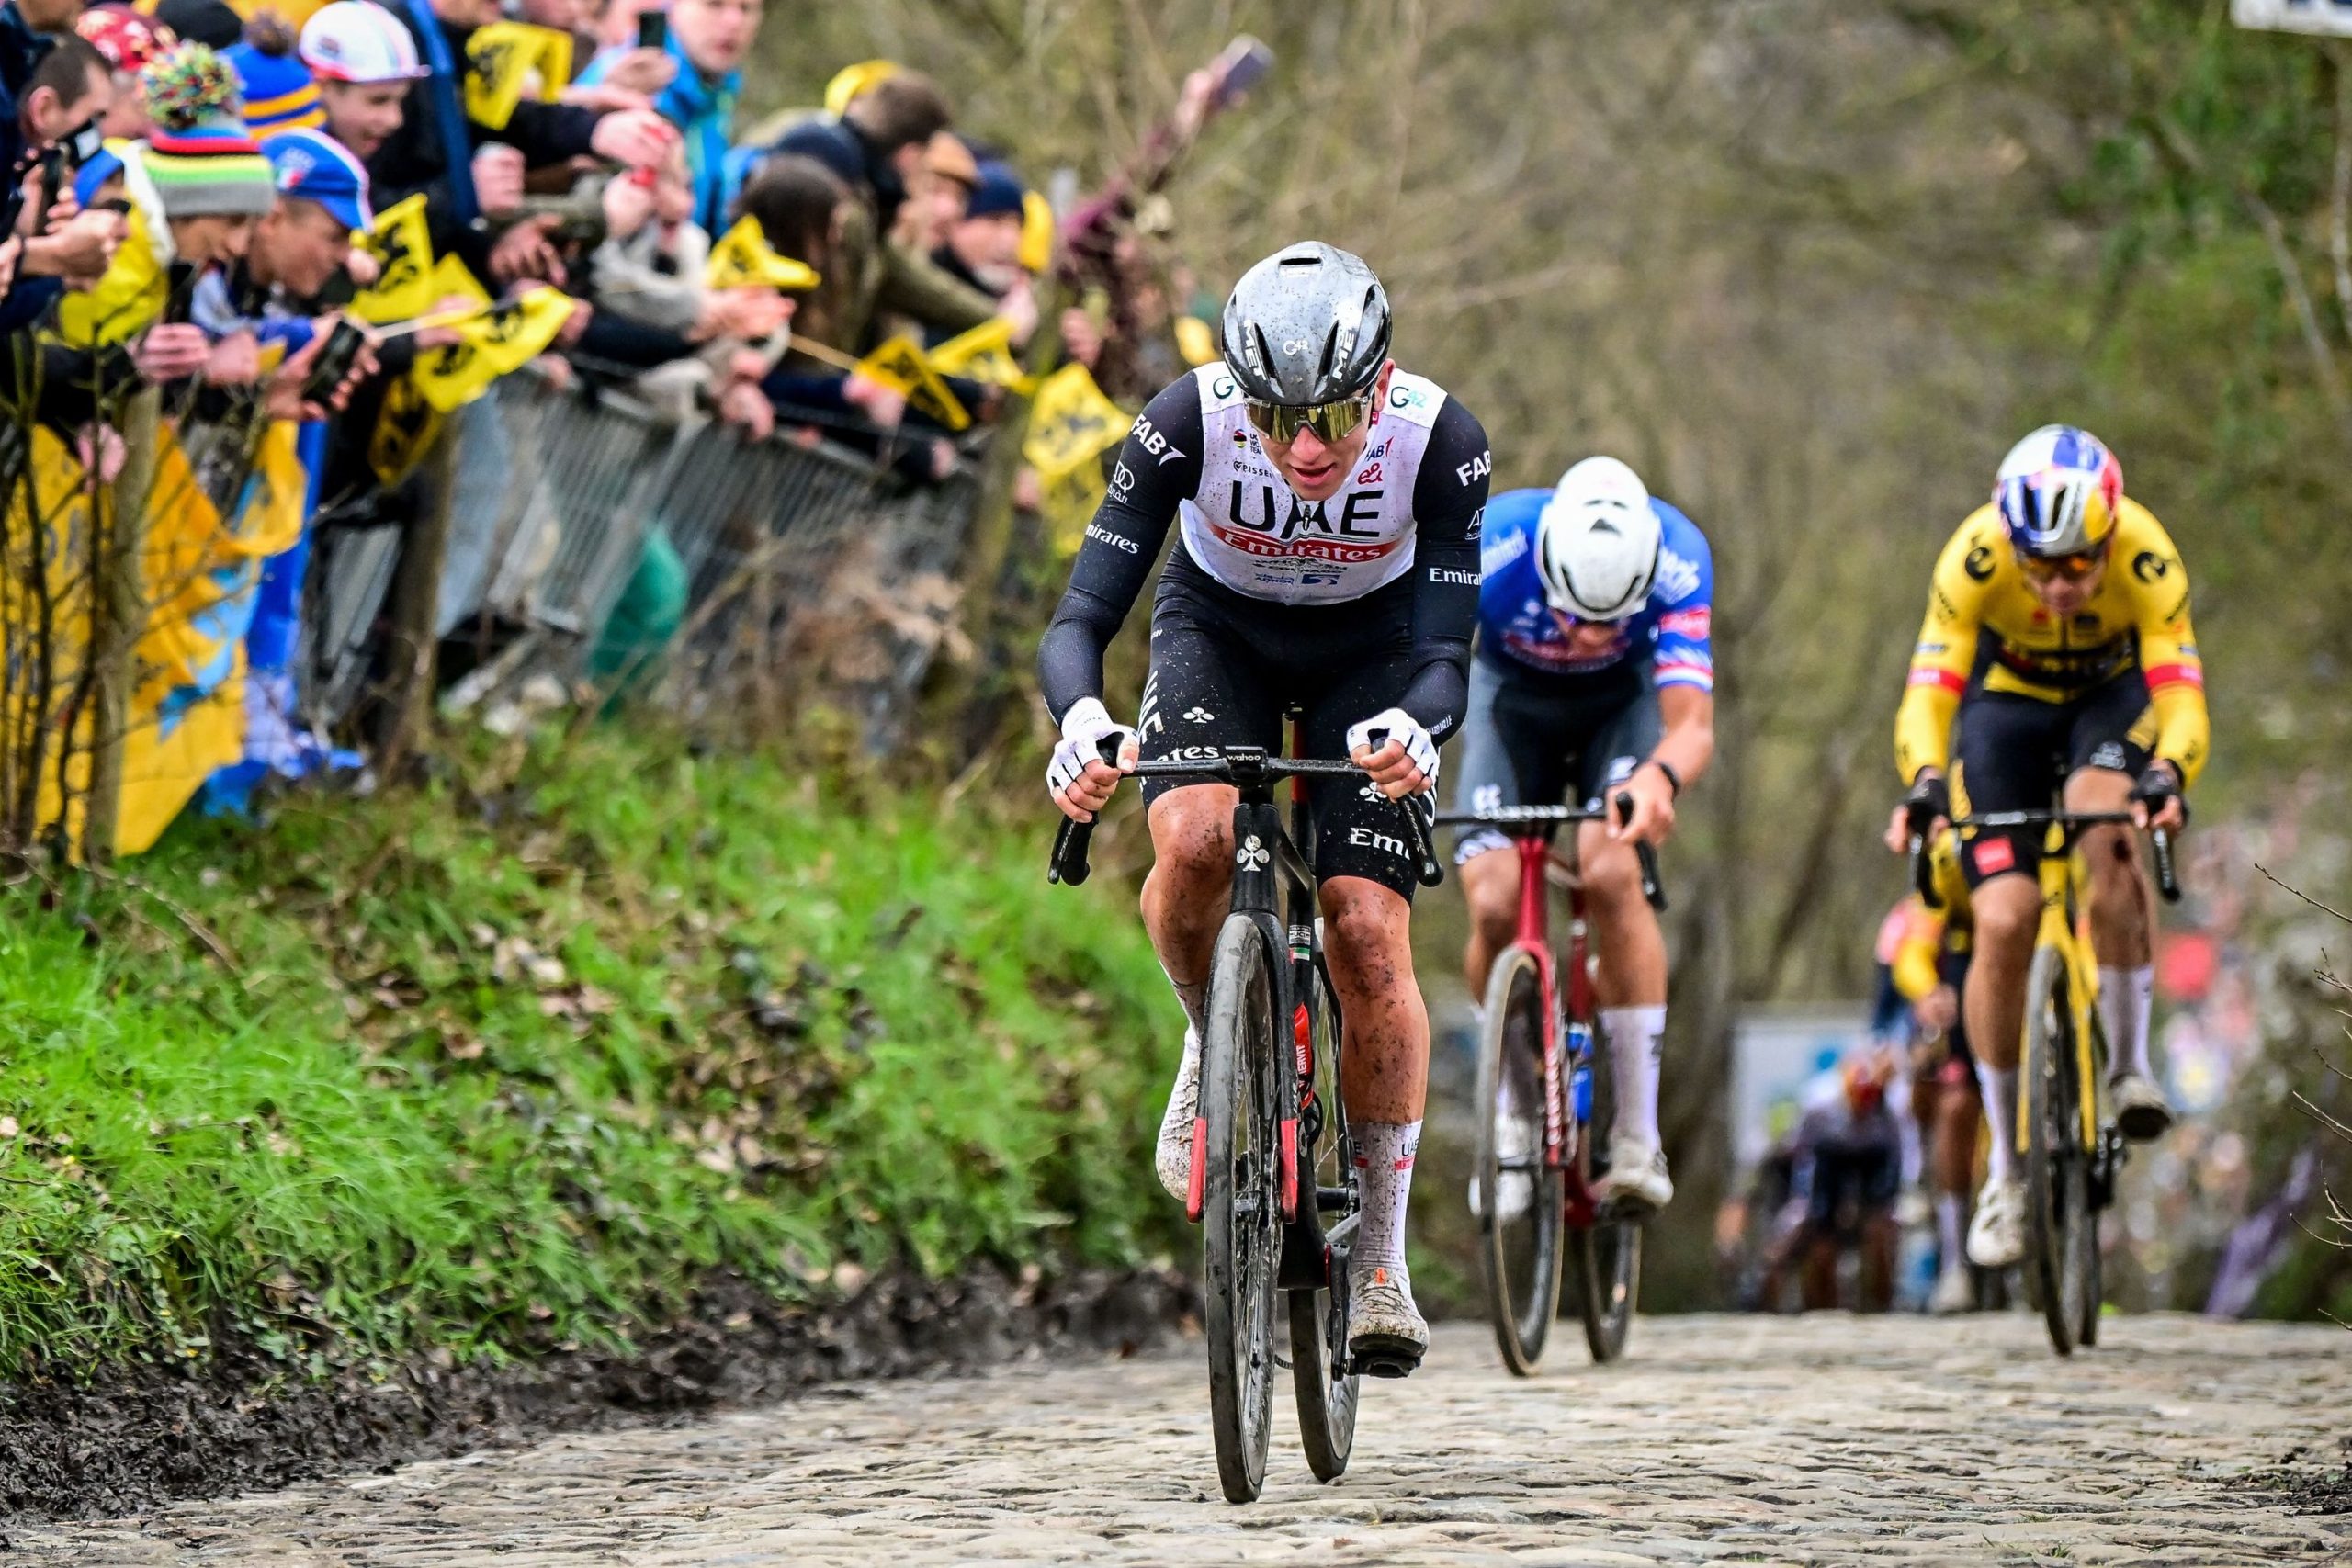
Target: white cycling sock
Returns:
[1951, 1222]
[2000, 1119]
[2126, 998]
[1636, 1036]
[1194, 997]
[1384, 1166]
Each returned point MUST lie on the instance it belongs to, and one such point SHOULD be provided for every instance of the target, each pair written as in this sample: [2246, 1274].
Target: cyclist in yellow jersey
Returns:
[1929, 967]
[2058, 635]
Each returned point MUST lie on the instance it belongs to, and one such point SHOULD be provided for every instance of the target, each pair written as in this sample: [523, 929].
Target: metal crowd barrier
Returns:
[807, 565]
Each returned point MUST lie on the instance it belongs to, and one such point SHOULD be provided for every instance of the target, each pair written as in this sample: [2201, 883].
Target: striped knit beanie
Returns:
[279, 93]
[199, 156]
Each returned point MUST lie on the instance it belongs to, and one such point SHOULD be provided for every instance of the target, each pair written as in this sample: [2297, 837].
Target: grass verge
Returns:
[511, 1062]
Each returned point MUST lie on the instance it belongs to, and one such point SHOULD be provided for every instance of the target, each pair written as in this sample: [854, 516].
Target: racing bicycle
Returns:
[1271, 1158]
[2066, 1133]
[1543, 1100]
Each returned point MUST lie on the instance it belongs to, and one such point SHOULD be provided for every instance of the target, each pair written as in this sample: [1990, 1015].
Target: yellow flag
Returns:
[852, 80]
[405, 426]
[983, 354]
[743, 259]
[452, 277]
[1071, 424]
[900, 366]
[402, 247]
[1037, 253]
[1068, 505]
[508, 59]
[1194, 340]
[490, 345]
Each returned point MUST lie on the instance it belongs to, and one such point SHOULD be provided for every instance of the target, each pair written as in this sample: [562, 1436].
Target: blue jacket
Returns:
[1517, 632]
[705, 112]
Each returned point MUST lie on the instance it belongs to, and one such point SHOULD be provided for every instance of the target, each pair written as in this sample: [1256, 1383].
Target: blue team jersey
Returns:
[1516, 627]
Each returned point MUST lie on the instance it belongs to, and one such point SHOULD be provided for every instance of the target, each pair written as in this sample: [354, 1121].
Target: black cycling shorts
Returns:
[1225, 670]
[1529, 742]
[2014, 752]
[1951, 969]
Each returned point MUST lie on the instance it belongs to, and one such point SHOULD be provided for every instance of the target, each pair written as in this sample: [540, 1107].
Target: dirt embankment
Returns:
[237, 1424]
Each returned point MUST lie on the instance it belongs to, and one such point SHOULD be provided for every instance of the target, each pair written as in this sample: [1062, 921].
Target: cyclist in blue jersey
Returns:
[1593, 673]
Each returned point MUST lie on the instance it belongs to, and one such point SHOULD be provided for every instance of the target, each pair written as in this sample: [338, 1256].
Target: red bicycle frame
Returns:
[1534, 936]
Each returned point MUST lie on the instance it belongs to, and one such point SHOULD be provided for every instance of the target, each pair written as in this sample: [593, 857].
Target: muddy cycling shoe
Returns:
[1996, 1235]
[1955, 1291]
[1175, 1157]
[2141, 1108]
[1386, 1335]
[1637, 1185]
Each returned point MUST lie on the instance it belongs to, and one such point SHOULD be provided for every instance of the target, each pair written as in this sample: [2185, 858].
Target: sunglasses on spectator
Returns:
[2073, 568]
[1331, 422]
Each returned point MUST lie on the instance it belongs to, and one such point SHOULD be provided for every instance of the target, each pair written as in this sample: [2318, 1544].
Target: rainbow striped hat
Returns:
[199, 154]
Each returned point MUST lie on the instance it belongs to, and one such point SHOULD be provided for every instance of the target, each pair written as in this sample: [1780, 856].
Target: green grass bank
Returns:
[509, 1063]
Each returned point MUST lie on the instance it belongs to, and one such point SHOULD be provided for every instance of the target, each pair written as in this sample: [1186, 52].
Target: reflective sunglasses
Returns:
[2073, 568]
[1331, 422]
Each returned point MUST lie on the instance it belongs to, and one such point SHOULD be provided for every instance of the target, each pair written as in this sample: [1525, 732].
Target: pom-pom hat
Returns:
[200, 157]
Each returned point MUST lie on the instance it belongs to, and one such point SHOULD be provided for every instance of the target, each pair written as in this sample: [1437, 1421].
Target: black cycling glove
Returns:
[2158, 783]
[1931, 799]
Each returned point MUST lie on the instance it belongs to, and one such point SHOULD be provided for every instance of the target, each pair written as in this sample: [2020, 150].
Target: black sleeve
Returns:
[1449, 503]
[617, 339]
[1160, 465]
[545, 133]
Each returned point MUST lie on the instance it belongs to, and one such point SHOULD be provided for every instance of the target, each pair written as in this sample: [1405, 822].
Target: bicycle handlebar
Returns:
[1067, 862]
[1923, 876]
[1645, 852]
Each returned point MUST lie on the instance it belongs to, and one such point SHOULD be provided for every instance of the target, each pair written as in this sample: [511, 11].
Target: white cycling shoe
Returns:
[1637, 1185]
[1174, 1160]
[1955, 1291]
[1387, 1336]
[1996, 1235]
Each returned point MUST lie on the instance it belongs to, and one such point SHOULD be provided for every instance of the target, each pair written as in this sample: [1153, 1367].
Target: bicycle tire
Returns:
[2057, 1179]
[1519, 1255]
[1240, 1217]
[1604, 1258]
[1319, 1319]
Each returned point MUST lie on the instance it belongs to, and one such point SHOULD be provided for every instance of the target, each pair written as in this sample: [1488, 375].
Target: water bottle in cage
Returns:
[1580, 1037]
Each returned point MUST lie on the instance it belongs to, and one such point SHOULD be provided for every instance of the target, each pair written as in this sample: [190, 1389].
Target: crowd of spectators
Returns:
[199, 197]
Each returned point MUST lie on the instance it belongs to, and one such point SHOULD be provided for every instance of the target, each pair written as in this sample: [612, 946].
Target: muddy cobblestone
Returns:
[1825, 1440]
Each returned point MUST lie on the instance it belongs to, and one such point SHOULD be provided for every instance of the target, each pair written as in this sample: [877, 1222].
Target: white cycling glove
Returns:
[1396, 724]
[1084, 728]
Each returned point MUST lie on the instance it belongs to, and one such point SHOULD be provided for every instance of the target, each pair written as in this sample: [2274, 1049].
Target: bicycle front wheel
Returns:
[1241, 1204]
[1516, 1197]
[2059, 1239]
[1604, 1258]
[1327, 1391]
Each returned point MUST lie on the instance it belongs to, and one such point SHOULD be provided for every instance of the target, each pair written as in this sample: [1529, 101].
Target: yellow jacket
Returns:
[2139, 614]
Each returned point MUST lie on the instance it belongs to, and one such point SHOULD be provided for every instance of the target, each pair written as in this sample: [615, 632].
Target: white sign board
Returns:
[2329, 16]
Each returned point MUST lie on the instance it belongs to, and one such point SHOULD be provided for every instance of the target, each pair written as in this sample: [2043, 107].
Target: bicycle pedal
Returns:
[1385, 1362]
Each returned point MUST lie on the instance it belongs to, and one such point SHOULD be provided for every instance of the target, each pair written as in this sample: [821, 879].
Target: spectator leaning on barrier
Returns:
[472, 171]
[707, 41]
[873, 147]
[982, 248]
[364, 65]
[64, 246]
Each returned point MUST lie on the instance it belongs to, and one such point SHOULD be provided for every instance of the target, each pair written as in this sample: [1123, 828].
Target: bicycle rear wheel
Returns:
[1604, 1258]
[1319, 1319]
[1518, 1200]
[1240, 1207]
[2058, 1218]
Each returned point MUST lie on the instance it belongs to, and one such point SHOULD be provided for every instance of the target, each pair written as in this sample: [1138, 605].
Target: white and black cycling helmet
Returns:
[1306, 326]
[1597, 543]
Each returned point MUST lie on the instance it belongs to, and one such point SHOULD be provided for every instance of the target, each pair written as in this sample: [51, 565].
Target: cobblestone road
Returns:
[1823, 1439]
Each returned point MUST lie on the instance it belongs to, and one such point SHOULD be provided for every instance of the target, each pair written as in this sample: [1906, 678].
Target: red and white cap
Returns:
[358, 40]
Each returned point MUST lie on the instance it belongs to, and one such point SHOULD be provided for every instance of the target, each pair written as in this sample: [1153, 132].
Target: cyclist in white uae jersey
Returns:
[1328, 506]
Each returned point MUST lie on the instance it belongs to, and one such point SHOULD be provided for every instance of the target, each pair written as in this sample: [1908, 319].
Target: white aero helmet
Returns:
[1597, 543]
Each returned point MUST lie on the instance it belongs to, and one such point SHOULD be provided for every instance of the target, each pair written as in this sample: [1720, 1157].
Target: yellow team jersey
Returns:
[2139, 614]
[1927, 934]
